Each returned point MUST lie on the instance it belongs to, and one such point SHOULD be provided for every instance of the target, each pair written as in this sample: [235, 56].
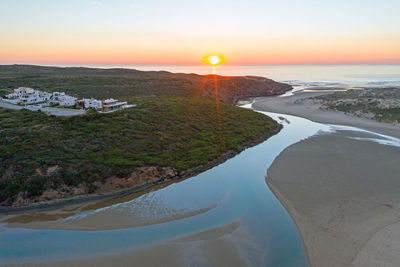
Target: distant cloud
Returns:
[97, 3]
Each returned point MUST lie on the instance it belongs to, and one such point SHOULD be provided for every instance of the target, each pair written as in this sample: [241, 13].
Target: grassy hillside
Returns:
[39, 152]
[126, 83]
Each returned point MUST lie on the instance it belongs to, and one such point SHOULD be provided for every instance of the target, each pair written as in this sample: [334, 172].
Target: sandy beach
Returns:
[302, 106]
[341, 189]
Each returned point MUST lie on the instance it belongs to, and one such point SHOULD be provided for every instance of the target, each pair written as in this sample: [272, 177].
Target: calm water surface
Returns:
[233, 191]
[310, 75]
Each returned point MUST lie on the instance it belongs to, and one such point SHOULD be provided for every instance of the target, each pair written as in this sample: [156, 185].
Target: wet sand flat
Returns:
[344, 196]
[342, 193]
[215, 247]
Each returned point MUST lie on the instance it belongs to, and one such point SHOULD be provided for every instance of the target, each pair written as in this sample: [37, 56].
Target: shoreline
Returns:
[313, 112]
[346, 212]
[290, 210]
[344, 208]
[87, 198]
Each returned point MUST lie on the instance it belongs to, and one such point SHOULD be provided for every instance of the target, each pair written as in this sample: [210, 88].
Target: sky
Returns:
[172, 32]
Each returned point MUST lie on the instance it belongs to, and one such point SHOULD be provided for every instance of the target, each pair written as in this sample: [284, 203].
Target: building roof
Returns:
[110, 100]
[115, 104]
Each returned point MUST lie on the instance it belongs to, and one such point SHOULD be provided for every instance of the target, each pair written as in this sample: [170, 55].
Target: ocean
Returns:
[306, 75]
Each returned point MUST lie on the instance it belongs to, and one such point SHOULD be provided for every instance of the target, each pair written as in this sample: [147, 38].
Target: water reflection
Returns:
[234, 191]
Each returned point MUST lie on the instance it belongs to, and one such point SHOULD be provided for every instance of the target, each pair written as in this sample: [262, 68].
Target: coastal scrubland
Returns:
[169, 134]
[128, 83]
[183, 124]
[381, 104]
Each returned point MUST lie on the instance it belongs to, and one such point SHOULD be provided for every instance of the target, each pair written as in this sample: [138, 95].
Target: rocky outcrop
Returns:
[141, 176]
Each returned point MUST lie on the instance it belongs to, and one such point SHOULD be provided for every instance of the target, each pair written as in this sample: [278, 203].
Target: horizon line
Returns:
[100, 65]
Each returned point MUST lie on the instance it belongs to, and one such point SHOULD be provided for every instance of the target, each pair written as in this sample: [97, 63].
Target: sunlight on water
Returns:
[310, 75]
[379, 138]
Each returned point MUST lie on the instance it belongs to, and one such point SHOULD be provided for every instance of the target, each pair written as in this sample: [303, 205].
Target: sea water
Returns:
[313, 75]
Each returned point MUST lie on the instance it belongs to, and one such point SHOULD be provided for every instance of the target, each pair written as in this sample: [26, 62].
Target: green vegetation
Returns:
[3, 92]
[175, 125]
[382, 104]
[168, 131]
[126, 83]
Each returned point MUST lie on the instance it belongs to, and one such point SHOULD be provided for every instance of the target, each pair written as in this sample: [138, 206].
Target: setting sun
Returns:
[214, 60]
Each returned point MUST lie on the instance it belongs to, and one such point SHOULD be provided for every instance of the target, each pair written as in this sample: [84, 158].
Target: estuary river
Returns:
[232, 196]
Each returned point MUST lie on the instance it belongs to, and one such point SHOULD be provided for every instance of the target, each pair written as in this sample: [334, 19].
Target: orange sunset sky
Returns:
[182, 32]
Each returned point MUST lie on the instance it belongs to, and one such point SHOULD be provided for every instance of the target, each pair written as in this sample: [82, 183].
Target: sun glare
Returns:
[214, 59]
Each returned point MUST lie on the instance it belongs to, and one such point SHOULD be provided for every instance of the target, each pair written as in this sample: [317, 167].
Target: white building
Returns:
[108, 105]
[112, 105]
[63, 99]
[26, 96]
[93, 103]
